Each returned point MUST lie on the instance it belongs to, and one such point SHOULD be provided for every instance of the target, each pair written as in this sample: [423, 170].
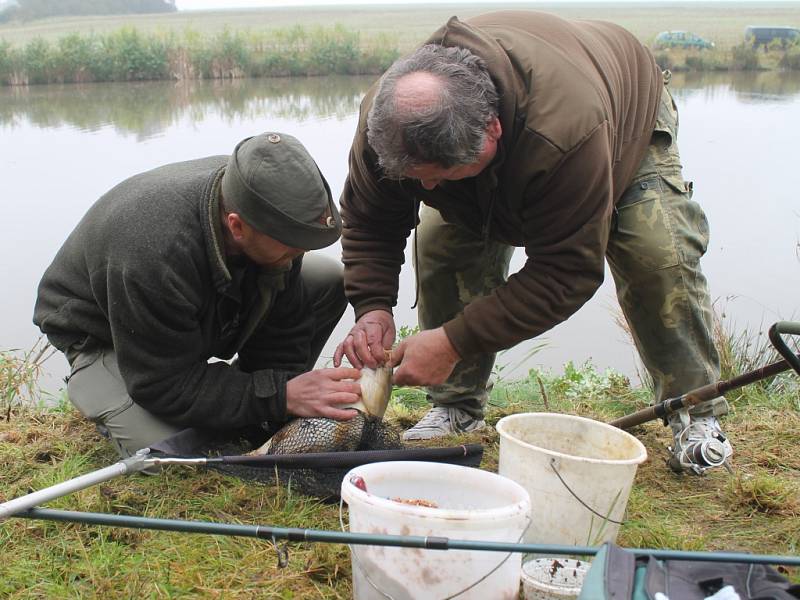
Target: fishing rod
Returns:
[714, 390]
[296, 534]
[143, 459]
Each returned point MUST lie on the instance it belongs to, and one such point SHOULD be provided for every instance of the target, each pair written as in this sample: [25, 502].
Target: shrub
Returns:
[72, 59]
[791, 59]
[38, 61]
[128, 55]
[745, 58]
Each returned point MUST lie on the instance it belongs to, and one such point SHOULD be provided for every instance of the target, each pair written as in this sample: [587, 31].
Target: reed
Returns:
[129, 54]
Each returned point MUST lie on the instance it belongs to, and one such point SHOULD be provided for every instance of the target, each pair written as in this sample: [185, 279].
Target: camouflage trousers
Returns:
[657, 238]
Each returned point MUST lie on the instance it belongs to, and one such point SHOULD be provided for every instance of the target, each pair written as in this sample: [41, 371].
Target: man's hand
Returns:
[426, 358]
[367, 341]
[318, 393]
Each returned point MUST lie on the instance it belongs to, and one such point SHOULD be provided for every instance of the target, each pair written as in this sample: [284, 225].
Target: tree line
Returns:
[28, 10]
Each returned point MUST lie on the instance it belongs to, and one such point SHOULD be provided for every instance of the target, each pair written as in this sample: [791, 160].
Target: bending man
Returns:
[522, 129]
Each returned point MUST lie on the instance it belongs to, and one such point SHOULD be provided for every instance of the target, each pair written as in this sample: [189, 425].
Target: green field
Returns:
[723, 23]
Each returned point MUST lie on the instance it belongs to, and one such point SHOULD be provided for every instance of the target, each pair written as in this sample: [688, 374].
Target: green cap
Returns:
[277, 188]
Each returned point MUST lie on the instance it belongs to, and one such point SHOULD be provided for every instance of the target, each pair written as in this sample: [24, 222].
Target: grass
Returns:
[757, 509]
[18, 374]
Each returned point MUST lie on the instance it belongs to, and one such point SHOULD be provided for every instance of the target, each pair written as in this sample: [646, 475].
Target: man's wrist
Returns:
[450, 349]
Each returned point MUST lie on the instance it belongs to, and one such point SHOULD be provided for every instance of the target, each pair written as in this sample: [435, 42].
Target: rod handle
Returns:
[23, 503]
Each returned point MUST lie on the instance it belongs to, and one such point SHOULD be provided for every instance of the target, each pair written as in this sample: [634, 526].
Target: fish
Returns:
[319, 434]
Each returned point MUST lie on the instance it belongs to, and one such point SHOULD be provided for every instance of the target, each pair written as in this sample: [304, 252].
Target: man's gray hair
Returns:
[448, 132]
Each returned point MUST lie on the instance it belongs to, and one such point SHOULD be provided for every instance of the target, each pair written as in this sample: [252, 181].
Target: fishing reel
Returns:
[696, 456]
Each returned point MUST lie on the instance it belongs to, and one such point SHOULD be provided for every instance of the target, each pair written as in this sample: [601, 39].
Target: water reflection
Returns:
[63, 146]
[748, 86]
[148, 109]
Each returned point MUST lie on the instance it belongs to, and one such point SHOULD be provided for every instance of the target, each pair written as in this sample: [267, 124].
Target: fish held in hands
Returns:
[319, 434]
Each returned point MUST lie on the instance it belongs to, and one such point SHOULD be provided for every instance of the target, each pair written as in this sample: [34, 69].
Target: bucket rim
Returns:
[504, 434]
[512, 510]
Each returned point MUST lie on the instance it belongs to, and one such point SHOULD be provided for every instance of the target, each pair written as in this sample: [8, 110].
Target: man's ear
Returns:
[494, 130]
[236, 226]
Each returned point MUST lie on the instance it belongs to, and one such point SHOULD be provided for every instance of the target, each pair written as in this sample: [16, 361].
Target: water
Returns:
[63, 146]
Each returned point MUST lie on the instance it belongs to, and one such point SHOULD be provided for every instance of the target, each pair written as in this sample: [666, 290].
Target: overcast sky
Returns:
[213, 4]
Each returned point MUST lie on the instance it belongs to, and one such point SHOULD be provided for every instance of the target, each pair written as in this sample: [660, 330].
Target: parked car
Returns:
[764, 35]
[681, 39]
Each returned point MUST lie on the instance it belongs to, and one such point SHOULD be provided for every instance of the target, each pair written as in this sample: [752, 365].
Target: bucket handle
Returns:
[466, 589]
[574, 495]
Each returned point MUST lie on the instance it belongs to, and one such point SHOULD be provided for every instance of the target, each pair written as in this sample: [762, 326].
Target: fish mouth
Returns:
[376, 391]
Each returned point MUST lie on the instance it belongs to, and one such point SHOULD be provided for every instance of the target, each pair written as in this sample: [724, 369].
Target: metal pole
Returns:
[696, 396]
[294, 534]
[129, 465]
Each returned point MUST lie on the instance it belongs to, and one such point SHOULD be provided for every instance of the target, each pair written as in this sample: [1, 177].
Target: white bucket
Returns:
[470, 504]
[553, 578]
[578, 472]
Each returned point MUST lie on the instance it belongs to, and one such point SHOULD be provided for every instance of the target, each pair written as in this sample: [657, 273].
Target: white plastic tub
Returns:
[470, 504]
[553, 578]
[578, 472]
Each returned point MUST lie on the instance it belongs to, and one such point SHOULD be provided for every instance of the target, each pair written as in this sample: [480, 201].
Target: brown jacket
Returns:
[578, 103]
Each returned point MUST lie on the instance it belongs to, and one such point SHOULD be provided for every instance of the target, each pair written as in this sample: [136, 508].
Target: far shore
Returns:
[307, 41]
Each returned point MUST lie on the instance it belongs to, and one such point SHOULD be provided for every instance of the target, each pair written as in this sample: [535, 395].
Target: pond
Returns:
[63, 146]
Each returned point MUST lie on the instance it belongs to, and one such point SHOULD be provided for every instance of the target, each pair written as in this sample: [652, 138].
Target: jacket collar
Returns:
[212, 229]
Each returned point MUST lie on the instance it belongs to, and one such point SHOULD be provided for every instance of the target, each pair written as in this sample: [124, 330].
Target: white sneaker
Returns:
[699, 443]
[441, 421]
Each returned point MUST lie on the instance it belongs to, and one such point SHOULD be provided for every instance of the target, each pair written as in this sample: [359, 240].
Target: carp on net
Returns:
[312, 455]
[317, 474]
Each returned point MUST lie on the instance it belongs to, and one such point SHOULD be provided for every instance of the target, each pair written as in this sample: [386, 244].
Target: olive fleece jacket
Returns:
[145, 272]
[578, 104]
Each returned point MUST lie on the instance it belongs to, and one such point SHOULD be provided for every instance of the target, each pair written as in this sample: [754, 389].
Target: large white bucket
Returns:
[470, 504]
[578, 472]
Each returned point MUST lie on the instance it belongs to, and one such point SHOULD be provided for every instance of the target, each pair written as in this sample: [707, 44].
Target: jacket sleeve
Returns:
[566, 227]
[162, 356]
[378, 215]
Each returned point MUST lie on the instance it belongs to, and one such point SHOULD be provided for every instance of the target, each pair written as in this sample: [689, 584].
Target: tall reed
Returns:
[130, 55]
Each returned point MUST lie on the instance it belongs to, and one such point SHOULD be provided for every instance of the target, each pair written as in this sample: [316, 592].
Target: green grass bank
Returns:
[342, 40]
[756, 509]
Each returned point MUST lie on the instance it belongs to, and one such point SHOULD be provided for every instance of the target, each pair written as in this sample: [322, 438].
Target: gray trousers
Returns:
[658, 236]
[96, 388]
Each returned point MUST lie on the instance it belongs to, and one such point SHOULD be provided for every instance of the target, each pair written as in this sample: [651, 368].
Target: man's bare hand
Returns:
[368, 340]
[426, 358]
[319, 393]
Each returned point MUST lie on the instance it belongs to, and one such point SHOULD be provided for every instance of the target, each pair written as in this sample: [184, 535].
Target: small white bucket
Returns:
[468, 504]
[578, 472]
[553, 578]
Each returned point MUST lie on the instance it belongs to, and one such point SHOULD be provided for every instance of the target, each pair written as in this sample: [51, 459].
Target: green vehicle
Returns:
[681, 39]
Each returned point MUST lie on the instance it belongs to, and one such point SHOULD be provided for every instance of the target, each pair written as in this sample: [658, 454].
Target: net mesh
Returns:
[317, 435]
[311, 456]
